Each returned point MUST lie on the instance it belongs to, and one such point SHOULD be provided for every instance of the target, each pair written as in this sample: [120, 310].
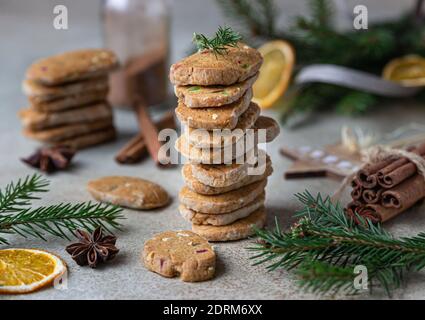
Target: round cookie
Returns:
[128, 192]
[222, 138]
[72, 66]
[61, 133]
[88, 139]
[238, 230]
[221, 219]
[201, 188]
[224, 155]
[270, 125]
[204, 68]
[221, 203]
[69, 102]
[224, 175]
[37, 120]
[213, 96]
[225, 117]
[180, 253]
[39, 92]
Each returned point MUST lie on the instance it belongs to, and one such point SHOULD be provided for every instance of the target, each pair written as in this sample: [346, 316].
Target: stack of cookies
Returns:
[223, 196]
[67, 99]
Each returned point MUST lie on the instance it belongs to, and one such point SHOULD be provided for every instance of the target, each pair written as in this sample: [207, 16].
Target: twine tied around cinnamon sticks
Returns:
[391, 181]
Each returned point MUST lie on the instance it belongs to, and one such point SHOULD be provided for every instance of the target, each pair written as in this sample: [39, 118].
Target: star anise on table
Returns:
[49, 159]
[92, 248]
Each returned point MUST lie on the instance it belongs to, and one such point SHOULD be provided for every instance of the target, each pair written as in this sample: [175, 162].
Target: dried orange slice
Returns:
[409, 71]
[27, 270]
[275, 73]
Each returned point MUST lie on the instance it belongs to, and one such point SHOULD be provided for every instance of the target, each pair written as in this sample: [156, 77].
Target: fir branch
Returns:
[21, 193]
[223, 38]
[321, 277]
[325, 234]
[57, 220]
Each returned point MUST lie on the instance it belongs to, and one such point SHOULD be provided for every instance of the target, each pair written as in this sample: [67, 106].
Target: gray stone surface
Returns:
[28, 36]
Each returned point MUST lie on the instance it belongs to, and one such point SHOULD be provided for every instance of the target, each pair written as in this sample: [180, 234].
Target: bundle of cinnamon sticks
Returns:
[382, 190]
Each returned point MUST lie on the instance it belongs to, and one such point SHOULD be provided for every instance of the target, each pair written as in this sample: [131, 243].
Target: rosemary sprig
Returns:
[17, 217]
[218, 44]
[325, 237]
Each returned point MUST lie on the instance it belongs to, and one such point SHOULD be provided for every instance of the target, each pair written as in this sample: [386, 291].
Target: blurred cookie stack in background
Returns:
[223, 200]
[67, 99]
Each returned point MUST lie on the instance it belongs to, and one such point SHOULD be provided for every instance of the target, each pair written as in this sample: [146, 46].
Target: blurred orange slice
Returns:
[275, 73]
[27, 270]
[408, 71]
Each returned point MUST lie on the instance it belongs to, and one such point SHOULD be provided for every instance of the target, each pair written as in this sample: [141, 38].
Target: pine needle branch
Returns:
[21, 193]
[321, 277]
[57, 220]
[325, 234]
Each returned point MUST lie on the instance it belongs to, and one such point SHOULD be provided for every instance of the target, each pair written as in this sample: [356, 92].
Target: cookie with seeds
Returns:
[199, 187]
[181, 254]
[200, 218]
[67, 131]
[240, 229]
[130, 192]
[37, 120]
[225, 117]
[213, 96]
[224, 175]
[204, 68]
[221, 203]
[72, 66]
[39, 92]
[69, 102]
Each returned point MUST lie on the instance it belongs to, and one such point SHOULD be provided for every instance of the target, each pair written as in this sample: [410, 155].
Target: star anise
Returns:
[49, 159]
[92, 248]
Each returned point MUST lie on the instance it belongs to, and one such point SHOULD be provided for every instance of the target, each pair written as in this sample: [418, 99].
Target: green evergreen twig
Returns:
[325, 235]
[17, 217]
[21, 193]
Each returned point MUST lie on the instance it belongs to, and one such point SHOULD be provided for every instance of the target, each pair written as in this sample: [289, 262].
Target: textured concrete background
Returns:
[26, 33]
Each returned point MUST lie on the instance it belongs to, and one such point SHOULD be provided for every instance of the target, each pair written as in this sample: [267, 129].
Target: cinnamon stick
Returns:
[405, 194]
[399, 170]
[150, 132]
[136, 149]
[133, 151]
[357, 191]
[367, 175]
[382, 203]
[372, 195]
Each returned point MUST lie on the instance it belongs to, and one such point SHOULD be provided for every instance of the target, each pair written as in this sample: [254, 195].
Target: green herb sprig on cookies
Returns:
[224, 36]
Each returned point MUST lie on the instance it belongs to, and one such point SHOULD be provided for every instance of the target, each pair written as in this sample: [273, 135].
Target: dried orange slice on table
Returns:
[408, 71]
[27, 270]
[275, 73]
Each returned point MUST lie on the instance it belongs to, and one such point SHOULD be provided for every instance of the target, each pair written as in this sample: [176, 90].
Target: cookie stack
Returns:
[222, 197]
[67, 99]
